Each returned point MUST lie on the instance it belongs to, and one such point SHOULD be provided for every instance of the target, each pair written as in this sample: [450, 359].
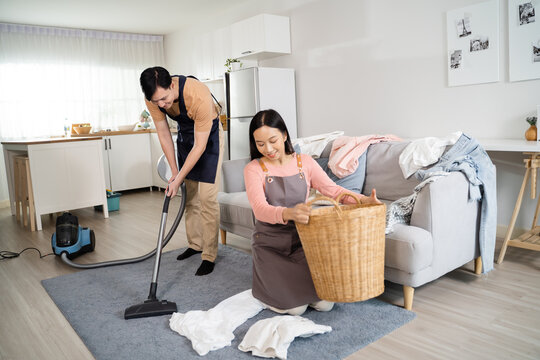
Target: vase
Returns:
[530, 134]
[236, 66]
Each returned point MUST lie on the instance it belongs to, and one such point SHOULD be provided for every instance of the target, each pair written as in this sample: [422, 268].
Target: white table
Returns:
[515, 145]
[67, 173]
[531, 149]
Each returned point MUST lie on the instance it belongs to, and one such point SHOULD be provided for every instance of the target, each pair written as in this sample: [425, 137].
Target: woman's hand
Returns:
[300, 213]
[371, 199]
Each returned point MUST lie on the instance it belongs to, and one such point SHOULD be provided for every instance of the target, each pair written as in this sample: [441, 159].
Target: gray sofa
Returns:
[442, 234]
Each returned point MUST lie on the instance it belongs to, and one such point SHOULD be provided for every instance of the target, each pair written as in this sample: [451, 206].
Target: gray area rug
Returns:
[93, 301]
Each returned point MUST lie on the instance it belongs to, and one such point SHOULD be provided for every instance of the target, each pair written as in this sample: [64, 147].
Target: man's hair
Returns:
[270, 118]
[153, 77]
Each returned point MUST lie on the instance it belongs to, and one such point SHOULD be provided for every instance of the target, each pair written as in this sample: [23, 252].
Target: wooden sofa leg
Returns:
[478, 265]
[223, 236]
[408, 294]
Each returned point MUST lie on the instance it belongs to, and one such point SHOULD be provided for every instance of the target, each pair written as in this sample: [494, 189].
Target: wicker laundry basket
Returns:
[344, 247]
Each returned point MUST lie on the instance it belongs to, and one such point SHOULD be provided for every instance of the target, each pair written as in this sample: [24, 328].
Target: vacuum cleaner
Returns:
[71, 240]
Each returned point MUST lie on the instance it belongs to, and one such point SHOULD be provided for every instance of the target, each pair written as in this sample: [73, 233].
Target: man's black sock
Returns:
[187, 254]
[206, 268]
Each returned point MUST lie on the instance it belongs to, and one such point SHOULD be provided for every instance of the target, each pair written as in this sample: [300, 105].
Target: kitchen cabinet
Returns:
[261, 37]
[202, 57]
[222, 51]
[67, 174]
[127, 161]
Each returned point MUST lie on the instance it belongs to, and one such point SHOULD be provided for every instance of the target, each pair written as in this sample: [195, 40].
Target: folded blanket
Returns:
[346, 150]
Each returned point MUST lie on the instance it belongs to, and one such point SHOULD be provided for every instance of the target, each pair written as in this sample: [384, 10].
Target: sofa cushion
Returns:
[354, 181]
[384, 174]
[408, 248]
[235, 209]
[233, 172]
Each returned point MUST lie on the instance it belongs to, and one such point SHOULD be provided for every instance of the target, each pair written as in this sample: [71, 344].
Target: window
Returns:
[48, 75]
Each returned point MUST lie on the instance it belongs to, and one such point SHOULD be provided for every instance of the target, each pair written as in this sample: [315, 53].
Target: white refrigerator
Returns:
[254, 89]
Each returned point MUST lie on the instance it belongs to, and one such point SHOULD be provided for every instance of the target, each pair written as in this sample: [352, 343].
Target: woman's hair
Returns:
[270, 118]
[153, 77]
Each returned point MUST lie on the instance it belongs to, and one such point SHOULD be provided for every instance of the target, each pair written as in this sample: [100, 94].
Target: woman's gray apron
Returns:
[205, 169]
[281, 276]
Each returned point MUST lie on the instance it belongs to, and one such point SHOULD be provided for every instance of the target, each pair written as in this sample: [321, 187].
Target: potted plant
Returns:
[530, 134]
[233, 64]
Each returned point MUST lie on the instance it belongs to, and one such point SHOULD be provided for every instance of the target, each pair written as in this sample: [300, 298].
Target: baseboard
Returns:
[4, 203]
[501, 231]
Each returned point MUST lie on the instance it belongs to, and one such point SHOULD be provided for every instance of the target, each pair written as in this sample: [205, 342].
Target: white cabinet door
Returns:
[261, 37]
[222, 50]
[66, 176]
[130, 161]
[247, 36]
[206, 61]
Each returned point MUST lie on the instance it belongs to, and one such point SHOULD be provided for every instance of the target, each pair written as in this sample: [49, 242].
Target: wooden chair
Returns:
[24, 195]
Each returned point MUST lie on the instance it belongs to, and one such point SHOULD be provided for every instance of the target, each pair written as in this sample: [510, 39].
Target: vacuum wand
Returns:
[153, 285]
[153, 306]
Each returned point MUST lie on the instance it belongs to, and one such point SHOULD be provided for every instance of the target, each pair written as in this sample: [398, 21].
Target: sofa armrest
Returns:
[233, 175]
[443, 209]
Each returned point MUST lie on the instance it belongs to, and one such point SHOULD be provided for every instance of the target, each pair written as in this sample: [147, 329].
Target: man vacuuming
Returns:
[199, 149]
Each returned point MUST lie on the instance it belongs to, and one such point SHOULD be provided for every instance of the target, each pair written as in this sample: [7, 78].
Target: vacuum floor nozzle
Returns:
[150, 308]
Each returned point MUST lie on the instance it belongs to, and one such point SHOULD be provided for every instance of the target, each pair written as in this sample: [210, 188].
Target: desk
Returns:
[67, 173]
[530, 239]
[513, 145]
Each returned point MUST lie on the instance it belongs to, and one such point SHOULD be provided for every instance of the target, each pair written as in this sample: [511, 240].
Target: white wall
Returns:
[376, 66]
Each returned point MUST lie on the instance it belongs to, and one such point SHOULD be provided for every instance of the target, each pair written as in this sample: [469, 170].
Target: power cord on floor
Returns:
[4, 254]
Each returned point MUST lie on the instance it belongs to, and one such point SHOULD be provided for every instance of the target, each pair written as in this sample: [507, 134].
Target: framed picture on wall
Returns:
[473, 44]
[523, 40]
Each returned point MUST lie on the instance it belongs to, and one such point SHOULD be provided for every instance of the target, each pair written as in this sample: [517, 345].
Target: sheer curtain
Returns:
[48, 75]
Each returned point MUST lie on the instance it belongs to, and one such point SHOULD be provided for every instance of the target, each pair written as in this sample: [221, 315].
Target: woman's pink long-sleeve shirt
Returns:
[254, 178]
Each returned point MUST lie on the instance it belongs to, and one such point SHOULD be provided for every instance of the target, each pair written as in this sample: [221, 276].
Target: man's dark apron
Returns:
[281, 275]
[205, 169]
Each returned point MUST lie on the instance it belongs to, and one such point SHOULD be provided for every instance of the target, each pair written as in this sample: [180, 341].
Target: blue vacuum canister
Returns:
[71, 238]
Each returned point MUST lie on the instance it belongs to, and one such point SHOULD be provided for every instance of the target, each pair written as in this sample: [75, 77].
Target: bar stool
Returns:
[24, 194]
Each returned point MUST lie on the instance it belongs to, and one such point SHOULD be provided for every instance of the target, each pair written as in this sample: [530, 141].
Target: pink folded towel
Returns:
[346, 150]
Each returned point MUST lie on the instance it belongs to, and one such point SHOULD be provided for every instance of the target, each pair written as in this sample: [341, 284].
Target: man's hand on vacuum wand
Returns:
[174, 184]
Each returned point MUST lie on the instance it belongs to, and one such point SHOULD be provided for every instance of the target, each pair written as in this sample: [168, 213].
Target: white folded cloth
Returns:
[424, 152]
[314, 145]
[271, 337]
[213, 329]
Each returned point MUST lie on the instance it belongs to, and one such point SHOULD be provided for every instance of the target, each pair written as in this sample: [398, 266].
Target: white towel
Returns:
[424, 152]
[213, 329]
[272, 337]
[314, 145]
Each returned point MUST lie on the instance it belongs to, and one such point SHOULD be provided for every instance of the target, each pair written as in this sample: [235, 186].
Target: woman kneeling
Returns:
[278, 182]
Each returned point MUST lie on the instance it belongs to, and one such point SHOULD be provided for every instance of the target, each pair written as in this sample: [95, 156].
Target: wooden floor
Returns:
[460, 316]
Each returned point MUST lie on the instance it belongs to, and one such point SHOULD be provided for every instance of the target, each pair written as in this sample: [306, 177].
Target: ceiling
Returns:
[157, 17]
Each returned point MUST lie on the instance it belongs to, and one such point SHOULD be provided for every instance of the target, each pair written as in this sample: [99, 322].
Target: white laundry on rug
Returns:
[272, 337]
[213, 329]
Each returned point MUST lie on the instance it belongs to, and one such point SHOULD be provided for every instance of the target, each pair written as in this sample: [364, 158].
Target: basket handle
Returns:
[323, 198]
[353, 195]
[334, 202]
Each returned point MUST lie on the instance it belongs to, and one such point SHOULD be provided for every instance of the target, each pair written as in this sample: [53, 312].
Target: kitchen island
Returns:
[66, 173]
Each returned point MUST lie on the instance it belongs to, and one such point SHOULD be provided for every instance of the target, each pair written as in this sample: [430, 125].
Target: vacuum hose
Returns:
[143, 257]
